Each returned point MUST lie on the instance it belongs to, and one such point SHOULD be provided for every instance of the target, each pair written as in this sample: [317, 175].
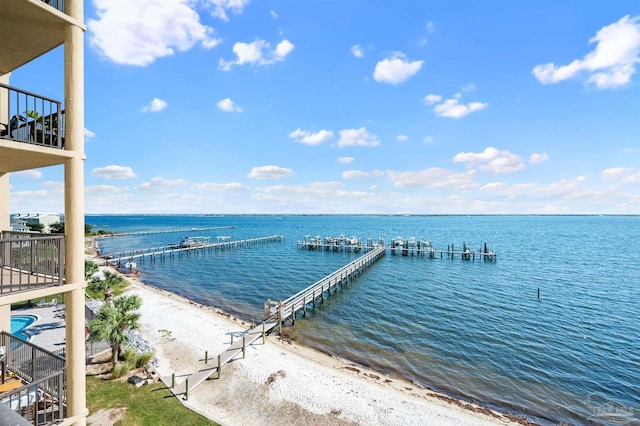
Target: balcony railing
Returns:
[58, 4]
[30, 261]
[31, 118]
[39, 393]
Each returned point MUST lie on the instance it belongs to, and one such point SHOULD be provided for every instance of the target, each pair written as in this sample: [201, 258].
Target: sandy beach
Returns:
[279, 381]
[282, 382]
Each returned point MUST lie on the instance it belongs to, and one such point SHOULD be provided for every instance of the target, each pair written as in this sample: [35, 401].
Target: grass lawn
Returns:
[146, 405]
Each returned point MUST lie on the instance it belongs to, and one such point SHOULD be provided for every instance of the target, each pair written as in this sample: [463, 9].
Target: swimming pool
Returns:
[19, 323]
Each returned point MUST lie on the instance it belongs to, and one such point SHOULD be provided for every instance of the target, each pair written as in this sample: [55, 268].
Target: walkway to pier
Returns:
[172, 250]
[289, 308]
[277, 313]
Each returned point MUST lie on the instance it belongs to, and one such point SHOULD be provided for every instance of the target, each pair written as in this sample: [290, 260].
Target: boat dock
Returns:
[192, 245]
[398, 245]
[276, 314]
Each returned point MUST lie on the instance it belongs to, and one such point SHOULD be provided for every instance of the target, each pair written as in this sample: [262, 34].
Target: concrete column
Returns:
[74, 213]
[5, 318]
[4, 202]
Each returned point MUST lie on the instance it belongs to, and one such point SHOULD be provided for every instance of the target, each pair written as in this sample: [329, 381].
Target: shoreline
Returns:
[283, 380]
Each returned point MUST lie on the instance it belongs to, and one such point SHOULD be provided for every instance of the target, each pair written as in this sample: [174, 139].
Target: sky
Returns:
[351, 107]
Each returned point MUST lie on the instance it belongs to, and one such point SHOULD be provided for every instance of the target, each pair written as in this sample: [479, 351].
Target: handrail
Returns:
[58, 4]
[32, 118]
[28, 262]
[348, 266]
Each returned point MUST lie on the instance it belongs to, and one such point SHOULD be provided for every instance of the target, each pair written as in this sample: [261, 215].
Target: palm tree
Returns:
[112, 322]
[105, 286]
[90, 268]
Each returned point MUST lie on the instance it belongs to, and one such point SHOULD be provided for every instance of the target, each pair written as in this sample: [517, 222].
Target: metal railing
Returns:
[29, 261]
[41, 396]
[58, 4]
[31, 118]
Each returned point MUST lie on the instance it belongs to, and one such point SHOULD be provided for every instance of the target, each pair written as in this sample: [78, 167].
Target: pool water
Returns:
[19, 323]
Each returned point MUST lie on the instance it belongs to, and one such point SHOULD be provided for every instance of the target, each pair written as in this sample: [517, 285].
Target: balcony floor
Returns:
[13, 281]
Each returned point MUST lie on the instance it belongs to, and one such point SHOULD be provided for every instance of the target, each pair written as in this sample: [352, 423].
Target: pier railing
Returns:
[288, 308]
[161, 252]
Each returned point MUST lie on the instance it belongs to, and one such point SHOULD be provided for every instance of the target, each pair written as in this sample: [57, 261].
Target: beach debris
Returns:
[352, 369]
[273, 376]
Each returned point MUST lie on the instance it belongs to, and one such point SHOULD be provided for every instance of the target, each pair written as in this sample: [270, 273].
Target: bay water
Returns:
[474, 330]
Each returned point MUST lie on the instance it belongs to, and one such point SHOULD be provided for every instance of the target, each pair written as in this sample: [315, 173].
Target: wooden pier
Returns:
[277, 313]
[289, 308]
[167, 231]
[173, 250]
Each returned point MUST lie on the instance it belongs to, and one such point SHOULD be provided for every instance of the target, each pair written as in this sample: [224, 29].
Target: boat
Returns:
[190, 242]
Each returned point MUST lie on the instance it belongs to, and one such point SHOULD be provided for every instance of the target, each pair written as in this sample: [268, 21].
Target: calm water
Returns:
[474, 330]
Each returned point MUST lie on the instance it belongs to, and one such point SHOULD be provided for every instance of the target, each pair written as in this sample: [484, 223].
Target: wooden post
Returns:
[186, 389]
[244, 341]
[263, 333]
[219, 365]
[173, 380]
[206, 357]
[232, 333]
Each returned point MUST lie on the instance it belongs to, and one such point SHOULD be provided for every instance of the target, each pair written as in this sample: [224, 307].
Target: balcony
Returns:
[30, 261]
[30, 118]
[32, 382]
[29, 29]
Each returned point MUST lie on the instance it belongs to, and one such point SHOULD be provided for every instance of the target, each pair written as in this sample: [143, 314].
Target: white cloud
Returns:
[228, 105]
[428, 139]
[309, 138]
[155, 105]
[283, 49]
[102, 189]
[357, 137]
[431, 27]
[30, 174]
[396, 69]
[616, 172]
[453, 109]
[88, 134]
[114, 172]
[431, 99]
[273, 14]
[469, 87]
[158, 182]
[433, 177]
[492, 160]
[610, 65]
[269, 172]
[221, 187]
[257, 53]
[137, 33]
[345, 160]
[402, 138]
[359, 174]
[357, 51]
[220, 7]
[538, 157]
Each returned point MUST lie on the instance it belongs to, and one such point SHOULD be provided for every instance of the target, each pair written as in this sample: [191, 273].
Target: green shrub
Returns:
[145, 358]
[121, 369]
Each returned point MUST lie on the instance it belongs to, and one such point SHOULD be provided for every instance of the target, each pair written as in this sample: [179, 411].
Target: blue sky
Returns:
[350, 106]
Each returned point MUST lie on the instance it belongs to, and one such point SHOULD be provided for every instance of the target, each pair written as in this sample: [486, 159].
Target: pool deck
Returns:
[48, 331]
